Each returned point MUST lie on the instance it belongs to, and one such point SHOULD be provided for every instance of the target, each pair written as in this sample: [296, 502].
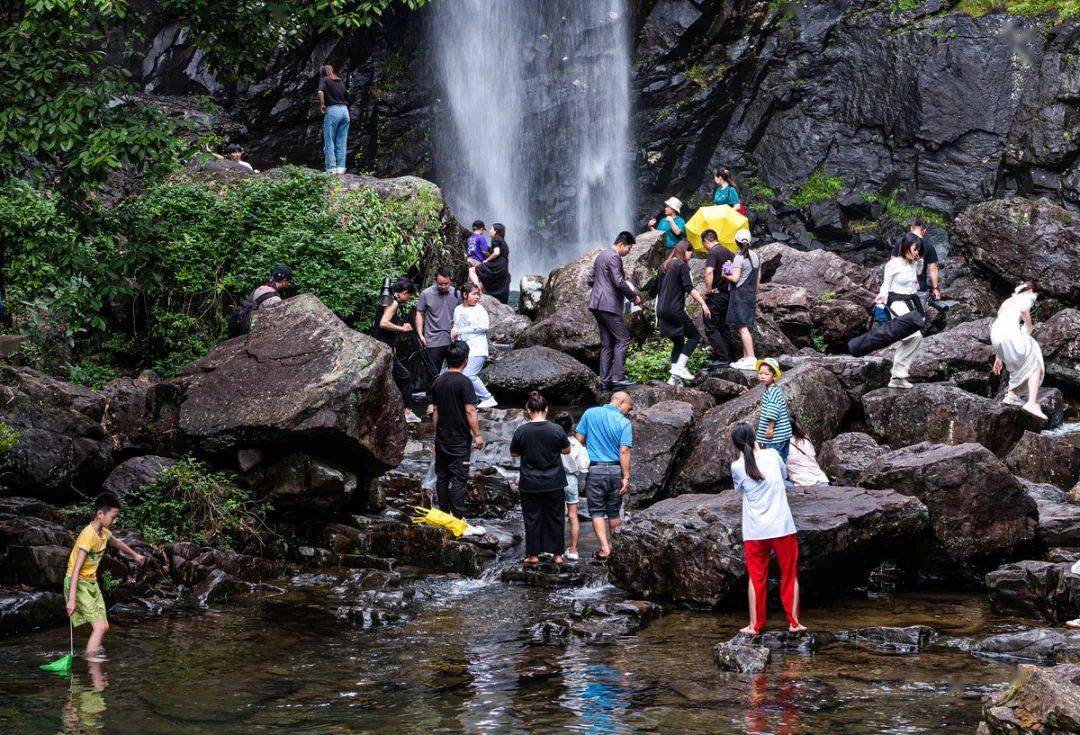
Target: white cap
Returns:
[742, 236]
[674, 203]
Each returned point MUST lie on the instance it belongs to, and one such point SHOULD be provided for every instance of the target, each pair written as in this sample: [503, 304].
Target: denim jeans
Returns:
[335, 137]
[472, 372]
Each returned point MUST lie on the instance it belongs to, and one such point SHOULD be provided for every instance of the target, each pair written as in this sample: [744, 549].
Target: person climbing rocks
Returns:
[435, 316]
[899, 295]
[744, 277]
[928, 273]
[767, 526]
[471, 323]
[673, 284]
[476, 249]
[608, 438]
[541, 445]
[609, 291]
[270, 293]
[802, 464]
[334, 105]
[493, 273]
[388, 325]
[457, 429]
[1016, 350]
[725, 192]
[774, 421]
[717, 292]
[235, 153]
[576, 465]
[672, 225]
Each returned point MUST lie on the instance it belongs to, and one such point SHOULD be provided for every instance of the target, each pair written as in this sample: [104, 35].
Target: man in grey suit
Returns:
[609, 289]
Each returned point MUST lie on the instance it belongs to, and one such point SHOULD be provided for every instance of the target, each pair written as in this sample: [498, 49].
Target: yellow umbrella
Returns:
[722, 218]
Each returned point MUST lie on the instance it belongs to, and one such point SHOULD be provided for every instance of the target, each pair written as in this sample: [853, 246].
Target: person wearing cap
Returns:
[744, 276]
[672, 225]
[268, 294]
[774, 420]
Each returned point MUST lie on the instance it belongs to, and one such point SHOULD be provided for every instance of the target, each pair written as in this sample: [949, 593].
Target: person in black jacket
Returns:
[673, 284]
[388, 325]
[494, 272]
[540, 444]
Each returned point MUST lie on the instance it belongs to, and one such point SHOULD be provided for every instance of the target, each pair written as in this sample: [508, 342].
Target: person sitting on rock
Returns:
[1016, 350]
[899, 294]
[388, 325]
[608, 438]
[576, 464]
[476, 248]
[802, 464]
[539, 443]
[673, 284]
[672, 225]
[235, 153]
[493, 274]
[774, 421]
[744, 277]
[758, 476]
[928, 273]
[471, 324]
[457, 430]
[268, 294]
[725, 189]
[717, 291]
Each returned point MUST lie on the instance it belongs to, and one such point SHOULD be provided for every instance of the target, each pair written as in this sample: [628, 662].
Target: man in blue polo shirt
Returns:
[607, 435]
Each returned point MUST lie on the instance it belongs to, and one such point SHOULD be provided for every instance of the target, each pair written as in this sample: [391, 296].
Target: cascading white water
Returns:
[537, 117]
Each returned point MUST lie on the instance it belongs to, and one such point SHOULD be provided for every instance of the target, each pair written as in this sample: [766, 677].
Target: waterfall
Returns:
[532, 123]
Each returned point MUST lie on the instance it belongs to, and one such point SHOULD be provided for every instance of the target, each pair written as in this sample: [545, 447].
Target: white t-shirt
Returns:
[765, 511]
[578, 459]
[471, 324]
[901, 276]
[802, 465]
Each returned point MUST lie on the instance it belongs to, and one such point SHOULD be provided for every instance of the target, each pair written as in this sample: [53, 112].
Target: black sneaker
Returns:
[717, 365]
[624, 384]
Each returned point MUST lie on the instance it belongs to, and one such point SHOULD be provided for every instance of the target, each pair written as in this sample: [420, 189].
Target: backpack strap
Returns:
[260, 299]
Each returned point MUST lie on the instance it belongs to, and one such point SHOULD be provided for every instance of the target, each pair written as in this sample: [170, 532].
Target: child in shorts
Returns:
[574, 463]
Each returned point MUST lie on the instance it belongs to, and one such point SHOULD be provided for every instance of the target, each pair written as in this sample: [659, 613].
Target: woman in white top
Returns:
[471, 324]
[576, 465]
[1017, 350]
[900, 293]
[802, 464]
[758, 475]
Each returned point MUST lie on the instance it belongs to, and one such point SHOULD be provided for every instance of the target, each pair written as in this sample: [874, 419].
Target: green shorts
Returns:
[89, 604]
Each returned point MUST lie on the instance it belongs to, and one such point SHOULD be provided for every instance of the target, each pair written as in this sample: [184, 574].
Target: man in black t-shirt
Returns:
[721, 341]
[929, 274]
[457, 429]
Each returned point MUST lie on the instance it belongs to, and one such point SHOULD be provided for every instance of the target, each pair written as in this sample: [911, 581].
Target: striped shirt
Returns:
[774, 408]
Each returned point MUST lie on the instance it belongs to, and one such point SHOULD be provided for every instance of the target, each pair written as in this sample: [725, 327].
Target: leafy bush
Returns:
[9, 437]
[652, 360]
[903, 213]
[188, 502]
[90, 374]
[1063, 9]
[760, 195]
[821, 186]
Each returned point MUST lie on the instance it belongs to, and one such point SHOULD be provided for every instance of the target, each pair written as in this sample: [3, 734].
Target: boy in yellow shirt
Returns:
[84, 601]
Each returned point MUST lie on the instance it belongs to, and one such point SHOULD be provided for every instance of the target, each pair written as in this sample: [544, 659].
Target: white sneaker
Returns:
[681, 372]
[1012, 400]
[672, 380]
[901, 383]
[1035, 410]
[471, 530]
[746, 363]
[571, 556]
[411, 418]
[489, 403]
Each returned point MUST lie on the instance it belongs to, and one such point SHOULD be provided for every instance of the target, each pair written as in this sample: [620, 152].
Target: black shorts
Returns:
[602, 487]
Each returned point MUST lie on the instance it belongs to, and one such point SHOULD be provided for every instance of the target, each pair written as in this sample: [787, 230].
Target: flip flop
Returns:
[598, 556]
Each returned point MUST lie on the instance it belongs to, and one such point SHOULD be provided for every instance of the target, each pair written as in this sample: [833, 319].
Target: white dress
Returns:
[1017, 349]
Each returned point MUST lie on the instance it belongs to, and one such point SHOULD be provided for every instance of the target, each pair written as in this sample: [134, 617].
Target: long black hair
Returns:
[536, 403]
[500, 230]
[796, 428]
[742, 436]
[909, 241]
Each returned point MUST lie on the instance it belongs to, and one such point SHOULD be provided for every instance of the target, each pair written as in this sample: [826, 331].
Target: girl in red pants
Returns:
[758, 475]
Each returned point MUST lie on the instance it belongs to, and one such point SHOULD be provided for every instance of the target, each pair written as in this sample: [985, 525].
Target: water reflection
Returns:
[84, 711]
[774, 704]
[598, 694]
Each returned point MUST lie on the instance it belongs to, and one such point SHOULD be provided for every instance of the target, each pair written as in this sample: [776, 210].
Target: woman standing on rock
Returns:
[494, 272]
[758, 475]
[899, 293]
[334, 104]
[674, 283]
[1017, 350]
[744, 276]
[725, 189]
[471, 325]
[540, 444]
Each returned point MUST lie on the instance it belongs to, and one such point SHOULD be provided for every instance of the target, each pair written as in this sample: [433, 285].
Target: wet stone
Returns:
[1040, 645]
[547, 575]
[911, 639]
[741, 658]
[782, 640]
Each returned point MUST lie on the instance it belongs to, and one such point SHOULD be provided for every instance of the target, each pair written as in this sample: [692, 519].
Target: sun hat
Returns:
[675, 204]
[742, 236]
[771, 362]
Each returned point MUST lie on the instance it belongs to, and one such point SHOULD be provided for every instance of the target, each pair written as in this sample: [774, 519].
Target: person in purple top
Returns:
[477, 247]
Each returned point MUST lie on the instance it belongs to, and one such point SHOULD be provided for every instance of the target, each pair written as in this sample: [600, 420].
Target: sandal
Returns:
[597, 555]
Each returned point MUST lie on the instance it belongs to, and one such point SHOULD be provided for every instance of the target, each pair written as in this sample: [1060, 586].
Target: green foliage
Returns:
[827, 296]
[651, 360]
[91, 374]
[903, 213]
[817, 341]
[188, 502]
[821, 186]
[9, 437]
[704, 75]
[1063, 9]
[760, 194]
[88, 125]
[108, 584]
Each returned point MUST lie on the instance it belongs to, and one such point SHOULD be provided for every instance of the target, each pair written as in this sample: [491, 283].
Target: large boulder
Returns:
[1059, 517]
[689, 549]
[301, 487]
[301, 381]
[34, 546]
[505, 324]
[1059, 337]
[530, 292]
[977, 508]
[63, 450]
[857, 375]
[659, 434]
[823, 274]
[814, 393]
[846, 457]
[653, 392]
[559, 378]
[1017, 239]
[1040, 701]
[961, 354]
[128, 418]
[1038, 645]
[1042, 458]
[564, 322]
[23, 610]
[1044, 589]
[134, 473]
[944, 413]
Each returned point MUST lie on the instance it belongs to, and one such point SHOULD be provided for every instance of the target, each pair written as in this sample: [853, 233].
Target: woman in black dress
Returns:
[494, 272]
[673, 283]
[541, 444]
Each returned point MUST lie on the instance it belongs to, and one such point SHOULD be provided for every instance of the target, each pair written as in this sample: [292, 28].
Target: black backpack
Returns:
[239, 321]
